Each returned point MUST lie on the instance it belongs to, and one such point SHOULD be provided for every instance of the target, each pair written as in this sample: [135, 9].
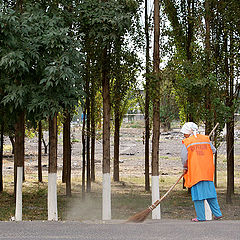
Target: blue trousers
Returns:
[200, 209]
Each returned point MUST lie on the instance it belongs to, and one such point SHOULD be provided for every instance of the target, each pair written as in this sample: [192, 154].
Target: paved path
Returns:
[118, 230]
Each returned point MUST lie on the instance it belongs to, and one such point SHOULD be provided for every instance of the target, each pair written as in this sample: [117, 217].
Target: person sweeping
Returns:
[198, 169]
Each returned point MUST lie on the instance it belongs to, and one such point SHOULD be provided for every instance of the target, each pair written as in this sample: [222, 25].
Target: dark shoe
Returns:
[218, 218]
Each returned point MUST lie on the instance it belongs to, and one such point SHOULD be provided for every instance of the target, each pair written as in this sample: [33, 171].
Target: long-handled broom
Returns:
[141, 216]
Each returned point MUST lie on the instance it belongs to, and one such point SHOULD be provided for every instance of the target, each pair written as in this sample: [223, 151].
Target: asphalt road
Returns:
[117, 230]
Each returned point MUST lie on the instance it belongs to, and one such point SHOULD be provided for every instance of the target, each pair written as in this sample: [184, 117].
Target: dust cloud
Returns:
[79, 209]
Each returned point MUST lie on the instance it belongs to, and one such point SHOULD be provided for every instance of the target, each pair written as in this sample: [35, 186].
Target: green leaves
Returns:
[42, 51]
[106, 20]
[15, 95]
[39, 61]
[14, 63]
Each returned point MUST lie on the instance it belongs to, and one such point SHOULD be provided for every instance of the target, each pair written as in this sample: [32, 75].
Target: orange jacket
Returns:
[200, 160]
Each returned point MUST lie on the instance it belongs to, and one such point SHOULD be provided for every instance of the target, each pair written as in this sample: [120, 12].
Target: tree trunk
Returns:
[230, 160]
[68, 154]
[40, 151]
[189, 57]
[65, 149]
[1, 157]
[88, 114]
[189, 29]
[208, 105]
[93, 135]
[116, 145]
[215, 169]
[13, 143]
[156, 114]
[83, 154]
[190, 25]
[45, 146]
[231, 93]
[230, 125]
[216, 40]
[156, 105]
[88, 143]
[106, 200]
[18, 149]
[147, 100]
[52, 170]
[19, 160]
[209, 121]
[118, 98]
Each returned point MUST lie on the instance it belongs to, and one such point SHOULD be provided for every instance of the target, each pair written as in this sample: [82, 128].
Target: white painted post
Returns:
[18, 213]
[208, 212]
[106, 197]
[52, 197]
[156, 213]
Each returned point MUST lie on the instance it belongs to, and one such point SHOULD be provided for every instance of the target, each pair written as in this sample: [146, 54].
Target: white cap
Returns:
[189, 128]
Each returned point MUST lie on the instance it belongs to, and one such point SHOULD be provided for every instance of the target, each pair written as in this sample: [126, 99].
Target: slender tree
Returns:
[40, 151]
[208, 123]
[83, 154]
[116, 143]
[117, 105]
[68, 153]
[156, 113]
[52, 170]
[106, 208]
[66, 172]
[147, 100]
[230, 122]
[19, 159]
[65, 149]
[93, 129]
[88, 115]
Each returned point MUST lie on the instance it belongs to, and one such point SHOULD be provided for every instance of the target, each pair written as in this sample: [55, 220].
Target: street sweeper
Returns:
[198, 169]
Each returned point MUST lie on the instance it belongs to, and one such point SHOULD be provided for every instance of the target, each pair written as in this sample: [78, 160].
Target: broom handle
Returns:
[156, 203]
[210, 134]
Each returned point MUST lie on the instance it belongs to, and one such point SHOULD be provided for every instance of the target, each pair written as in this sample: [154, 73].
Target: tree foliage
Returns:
[40, 62]
[195, 80]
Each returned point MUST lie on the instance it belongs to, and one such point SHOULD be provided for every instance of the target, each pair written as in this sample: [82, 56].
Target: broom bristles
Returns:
[139, 217]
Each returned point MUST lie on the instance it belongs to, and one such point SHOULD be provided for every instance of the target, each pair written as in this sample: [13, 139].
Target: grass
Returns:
[134, 124]
[7, 206]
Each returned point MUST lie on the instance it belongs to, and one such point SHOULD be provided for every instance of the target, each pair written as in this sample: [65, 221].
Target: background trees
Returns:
[206, 69]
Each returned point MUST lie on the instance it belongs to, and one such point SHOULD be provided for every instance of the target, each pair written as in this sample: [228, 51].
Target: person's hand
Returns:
[185, 171]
